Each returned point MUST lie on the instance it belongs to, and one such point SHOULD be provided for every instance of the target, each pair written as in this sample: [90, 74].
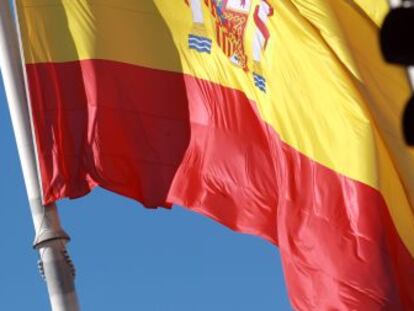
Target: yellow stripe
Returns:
[330, 95]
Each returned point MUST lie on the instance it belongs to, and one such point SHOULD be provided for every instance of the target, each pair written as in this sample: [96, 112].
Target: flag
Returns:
[275, 118]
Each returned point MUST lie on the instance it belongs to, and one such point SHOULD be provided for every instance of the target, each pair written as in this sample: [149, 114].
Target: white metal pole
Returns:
[50, 239]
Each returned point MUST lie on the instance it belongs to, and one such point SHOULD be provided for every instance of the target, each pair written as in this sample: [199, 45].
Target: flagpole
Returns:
[50, 239]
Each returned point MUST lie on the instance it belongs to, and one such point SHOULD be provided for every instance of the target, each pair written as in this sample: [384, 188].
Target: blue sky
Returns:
[131, 258]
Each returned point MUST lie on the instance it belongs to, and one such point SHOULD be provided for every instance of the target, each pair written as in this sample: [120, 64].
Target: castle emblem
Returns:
[231, 18]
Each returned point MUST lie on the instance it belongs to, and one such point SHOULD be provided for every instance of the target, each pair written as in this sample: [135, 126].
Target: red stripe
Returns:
[162, 138]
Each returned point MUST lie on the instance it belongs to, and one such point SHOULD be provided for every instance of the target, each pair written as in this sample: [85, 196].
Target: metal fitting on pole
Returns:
[49, 227]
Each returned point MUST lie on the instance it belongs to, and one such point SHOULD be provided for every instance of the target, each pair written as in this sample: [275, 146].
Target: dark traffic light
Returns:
[397, 44]
[397, 36]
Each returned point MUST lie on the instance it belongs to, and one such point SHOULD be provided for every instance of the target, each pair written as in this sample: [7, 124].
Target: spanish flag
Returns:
[275, 118]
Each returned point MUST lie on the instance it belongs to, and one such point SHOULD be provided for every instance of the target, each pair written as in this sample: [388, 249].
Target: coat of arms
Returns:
[231, 18]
